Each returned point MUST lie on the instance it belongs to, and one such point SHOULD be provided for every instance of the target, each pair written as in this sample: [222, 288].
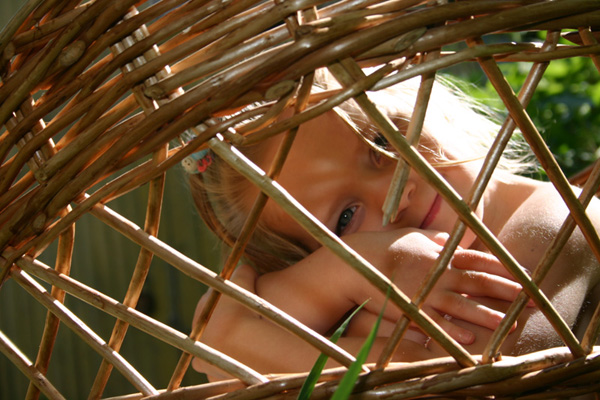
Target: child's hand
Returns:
[472, 274]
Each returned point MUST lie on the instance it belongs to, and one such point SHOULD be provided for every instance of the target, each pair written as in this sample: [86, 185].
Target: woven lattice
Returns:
[93, 93]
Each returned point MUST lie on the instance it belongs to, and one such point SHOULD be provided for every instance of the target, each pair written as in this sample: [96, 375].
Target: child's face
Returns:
[343, 182]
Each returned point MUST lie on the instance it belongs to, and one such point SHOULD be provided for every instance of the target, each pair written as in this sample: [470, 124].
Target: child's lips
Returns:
[432, 213]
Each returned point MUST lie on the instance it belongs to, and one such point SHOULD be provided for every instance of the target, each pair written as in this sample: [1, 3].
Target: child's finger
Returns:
[456, 306]
[479, 261]
[481, 274]
[481, 284]
[458, 333]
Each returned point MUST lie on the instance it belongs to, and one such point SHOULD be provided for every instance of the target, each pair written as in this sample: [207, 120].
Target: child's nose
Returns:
[383, 183]
[405, 200]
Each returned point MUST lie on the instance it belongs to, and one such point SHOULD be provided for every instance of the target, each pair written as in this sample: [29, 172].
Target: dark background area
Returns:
[565, 109]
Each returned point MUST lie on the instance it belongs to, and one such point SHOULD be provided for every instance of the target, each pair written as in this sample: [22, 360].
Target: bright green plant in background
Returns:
[565, 107]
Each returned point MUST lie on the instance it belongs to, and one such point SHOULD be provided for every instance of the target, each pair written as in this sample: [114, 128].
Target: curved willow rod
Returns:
[37, 378]
[523, 371]
[290, 383]
[27, 39]
[16, 21]
[512, 18]
[82, 330]
[64, 257]
[346, 253]
[138, 319]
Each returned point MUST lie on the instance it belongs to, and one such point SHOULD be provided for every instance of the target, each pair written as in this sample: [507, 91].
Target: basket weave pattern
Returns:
[94, 96]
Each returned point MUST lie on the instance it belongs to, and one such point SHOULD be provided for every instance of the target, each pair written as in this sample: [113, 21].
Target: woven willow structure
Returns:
[92, 95]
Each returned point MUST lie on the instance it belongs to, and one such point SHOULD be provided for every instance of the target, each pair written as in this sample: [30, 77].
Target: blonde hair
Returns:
[221, 194]
[452, 120]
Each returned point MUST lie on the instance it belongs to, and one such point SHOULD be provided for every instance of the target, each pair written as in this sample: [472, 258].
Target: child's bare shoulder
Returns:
[537, 221]
[546, 209]
[543, 211]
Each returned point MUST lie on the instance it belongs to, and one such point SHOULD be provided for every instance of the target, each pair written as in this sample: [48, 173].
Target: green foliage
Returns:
[565, 107]
[315, 372]
[348, 381]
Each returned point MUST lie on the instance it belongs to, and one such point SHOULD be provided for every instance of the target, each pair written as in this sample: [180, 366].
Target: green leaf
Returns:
[315, 372]
[349, 379]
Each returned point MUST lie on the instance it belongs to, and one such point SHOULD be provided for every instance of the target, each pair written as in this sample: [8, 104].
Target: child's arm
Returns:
[329, 288]
[321, 289]
[268, 348]
[573, 276]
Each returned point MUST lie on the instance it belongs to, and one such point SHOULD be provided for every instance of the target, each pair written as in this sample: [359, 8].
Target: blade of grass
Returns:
[315, 372]
[349, 379]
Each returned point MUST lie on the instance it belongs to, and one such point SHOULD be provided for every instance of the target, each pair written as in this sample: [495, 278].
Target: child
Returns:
[343, 179]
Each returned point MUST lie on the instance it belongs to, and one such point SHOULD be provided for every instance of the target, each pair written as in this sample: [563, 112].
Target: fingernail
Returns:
[467, 337]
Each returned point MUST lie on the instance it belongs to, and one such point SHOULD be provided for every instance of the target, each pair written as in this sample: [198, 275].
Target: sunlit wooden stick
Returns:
[64, 259]
[20, 360]
[323, 235]
[137, 319]
[82, 330]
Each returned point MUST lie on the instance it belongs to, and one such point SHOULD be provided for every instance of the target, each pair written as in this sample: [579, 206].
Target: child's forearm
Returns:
[329, 287]
[268, 348]
[320, 289]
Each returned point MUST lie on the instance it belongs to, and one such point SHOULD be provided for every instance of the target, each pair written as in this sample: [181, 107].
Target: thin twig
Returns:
[82, 330]
[12, 352]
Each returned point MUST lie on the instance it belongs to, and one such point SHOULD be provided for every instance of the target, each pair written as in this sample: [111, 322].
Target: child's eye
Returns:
[381, 141]
[344, 220]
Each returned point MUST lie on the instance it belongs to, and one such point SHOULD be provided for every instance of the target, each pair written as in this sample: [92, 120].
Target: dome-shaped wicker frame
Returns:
[92, 95]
